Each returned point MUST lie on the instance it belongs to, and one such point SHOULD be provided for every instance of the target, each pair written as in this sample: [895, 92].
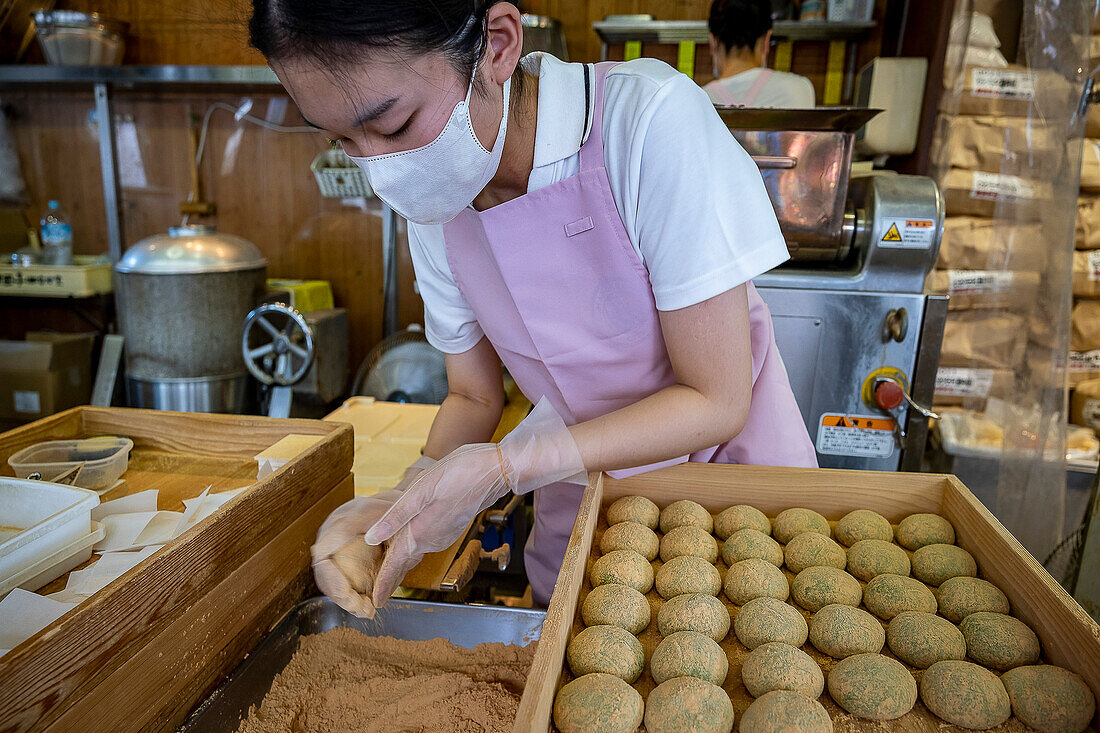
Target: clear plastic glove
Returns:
[437, 508]
[344, 566]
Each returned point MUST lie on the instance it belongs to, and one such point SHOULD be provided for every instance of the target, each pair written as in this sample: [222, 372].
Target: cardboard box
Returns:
[978, 193]
[47, 373]
[975, 243]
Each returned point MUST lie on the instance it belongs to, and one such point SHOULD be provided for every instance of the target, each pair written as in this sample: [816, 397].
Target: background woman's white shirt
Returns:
[781, 90]
[691, 200]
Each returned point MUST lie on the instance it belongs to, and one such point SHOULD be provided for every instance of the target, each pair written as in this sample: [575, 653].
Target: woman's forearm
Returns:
[461, 420]
[672, 422]
[711, 355]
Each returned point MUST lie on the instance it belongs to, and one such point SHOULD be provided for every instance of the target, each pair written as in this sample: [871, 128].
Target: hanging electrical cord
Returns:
[240, 115]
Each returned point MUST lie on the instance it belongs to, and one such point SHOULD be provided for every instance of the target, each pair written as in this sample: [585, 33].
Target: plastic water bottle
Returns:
[57, 236]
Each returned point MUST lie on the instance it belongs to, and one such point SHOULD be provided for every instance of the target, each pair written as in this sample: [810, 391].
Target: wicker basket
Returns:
[338, 177]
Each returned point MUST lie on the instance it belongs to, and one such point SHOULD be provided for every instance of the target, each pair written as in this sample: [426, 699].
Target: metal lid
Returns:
[190, 250]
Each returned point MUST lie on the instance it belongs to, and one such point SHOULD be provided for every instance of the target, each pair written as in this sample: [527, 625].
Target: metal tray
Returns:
[464, 626]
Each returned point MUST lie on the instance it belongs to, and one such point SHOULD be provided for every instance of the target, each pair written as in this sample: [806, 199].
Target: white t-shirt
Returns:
[781, 90]
[691, 199]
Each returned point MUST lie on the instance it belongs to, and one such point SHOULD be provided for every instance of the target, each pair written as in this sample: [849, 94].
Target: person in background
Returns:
[740, 35]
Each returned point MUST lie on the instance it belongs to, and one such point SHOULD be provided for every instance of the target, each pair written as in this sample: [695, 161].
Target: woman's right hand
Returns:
[344, 565]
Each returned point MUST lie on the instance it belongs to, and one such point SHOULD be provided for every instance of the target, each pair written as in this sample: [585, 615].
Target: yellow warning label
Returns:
[892, 234]
[857, 422]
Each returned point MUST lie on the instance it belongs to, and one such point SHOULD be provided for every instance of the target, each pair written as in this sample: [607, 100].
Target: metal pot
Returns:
[182, 297]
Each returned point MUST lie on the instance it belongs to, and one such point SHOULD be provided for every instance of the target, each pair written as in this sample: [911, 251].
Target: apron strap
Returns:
[592, 148]
[725, 97]
[757, 87]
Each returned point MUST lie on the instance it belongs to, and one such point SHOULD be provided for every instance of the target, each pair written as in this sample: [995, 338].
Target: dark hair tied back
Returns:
[740, 23]
[332, 32]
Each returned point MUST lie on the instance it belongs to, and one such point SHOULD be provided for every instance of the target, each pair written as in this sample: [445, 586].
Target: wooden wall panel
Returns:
[180, 31]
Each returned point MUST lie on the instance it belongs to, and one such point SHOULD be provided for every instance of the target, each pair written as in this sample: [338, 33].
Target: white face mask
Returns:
[434, 183]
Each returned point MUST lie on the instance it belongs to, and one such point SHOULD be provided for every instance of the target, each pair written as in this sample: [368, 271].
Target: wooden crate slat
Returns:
[72, 657]
[185, 432]
[1070, 637]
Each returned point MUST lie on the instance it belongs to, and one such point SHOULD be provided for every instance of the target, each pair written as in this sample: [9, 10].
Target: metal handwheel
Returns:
[277, 346]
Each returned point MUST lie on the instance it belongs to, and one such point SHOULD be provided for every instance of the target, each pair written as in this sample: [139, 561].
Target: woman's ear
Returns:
[505, 31]
[764, 47]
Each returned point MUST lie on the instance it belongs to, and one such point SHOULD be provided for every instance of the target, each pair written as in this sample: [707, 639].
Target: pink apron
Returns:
[725, 97]
[564, 298]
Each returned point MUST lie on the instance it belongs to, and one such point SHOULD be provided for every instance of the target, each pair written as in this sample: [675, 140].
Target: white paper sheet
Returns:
[23, 614]
[208, 504]
[110, 565]
[133, 531]
[144, 501]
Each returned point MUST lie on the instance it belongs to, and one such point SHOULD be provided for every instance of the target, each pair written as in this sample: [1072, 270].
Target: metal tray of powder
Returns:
[462, 625]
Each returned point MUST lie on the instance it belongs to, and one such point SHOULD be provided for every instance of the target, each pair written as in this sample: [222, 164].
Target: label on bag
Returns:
[1084, 361]
[904, 233]
[1094, 264]
[1002, 84]
[963, 382]
[993, 186]
[978, 282]
[26, 401]
[866, 436]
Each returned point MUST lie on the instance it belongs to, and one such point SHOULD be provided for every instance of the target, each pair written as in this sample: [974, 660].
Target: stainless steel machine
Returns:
[859, 336]
[181, 299]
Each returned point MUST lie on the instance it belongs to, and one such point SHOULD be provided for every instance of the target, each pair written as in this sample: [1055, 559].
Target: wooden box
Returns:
[1069, 636]
[140, 653]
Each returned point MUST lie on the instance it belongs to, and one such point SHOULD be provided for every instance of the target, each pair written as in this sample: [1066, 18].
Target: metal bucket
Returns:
[181, 301]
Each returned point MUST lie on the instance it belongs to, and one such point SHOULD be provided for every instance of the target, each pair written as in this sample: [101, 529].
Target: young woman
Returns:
[595, 228]
[740, 34]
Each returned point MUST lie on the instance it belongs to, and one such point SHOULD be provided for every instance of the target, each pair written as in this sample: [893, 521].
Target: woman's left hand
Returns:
[437, 508]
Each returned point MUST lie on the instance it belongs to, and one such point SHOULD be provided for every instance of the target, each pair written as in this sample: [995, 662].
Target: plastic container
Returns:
[850, 11]
[37, 521]
[104, 460]
[54, 566]
[338, 177]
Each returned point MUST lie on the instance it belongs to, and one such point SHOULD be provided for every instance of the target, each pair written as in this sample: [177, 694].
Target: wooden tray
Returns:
[1070, 637]
[142, 652]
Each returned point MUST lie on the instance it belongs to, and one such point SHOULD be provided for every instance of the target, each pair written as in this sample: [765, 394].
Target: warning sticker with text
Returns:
[865, 436]
[909, 233]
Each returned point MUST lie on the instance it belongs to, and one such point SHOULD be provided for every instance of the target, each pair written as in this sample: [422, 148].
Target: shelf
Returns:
[139, 76]
[676, 31]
